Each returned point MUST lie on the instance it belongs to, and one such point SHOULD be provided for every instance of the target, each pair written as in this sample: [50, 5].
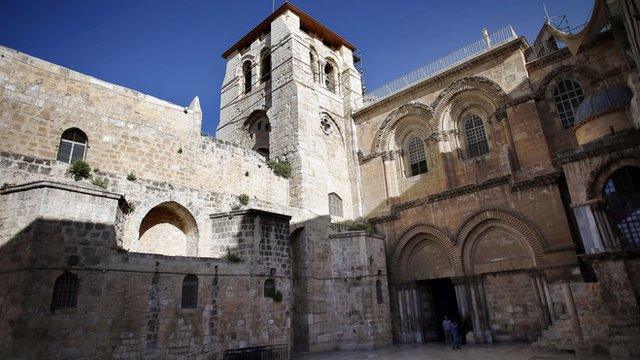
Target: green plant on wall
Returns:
[232, 256]
[79, 170]
[243, 199]
[131, 176]
[99, 182]
[280, 168]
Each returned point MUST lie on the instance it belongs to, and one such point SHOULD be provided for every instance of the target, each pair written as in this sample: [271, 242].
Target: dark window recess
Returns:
[246, 71]
[379, 295]
[65, 292]
[190, 292]
[622, 197]
[265, 67]
[417, 156]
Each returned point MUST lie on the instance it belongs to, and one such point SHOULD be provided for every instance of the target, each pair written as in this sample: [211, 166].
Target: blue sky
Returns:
[171, 49]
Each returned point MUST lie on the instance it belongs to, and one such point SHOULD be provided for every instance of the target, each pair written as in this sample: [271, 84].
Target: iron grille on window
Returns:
[622, 197]
[73, 144]
[65, 292]
[477, 144]
[335, 205]
[190, 292]
[417, 156]
[269, 288]
[567, 95]
[272, 352]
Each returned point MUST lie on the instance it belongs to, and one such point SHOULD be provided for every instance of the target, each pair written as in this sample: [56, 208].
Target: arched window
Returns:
[330, 77]
[476, 138]
[335, 205]
[246, 71]
[190, 292]
[622, 197]
[567, 95]
[65, 292]
[73, 145]
[265, 65]
[313, 64]
[417, 158]
[269, 288]
[379, 295]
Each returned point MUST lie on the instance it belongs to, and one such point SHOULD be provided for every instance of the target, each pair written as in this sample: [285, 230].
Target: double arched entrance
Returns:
[484, 277]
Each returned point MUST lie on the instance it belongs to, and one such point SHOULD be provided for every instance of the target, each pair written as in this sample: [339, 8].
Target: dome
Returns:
[603, 101]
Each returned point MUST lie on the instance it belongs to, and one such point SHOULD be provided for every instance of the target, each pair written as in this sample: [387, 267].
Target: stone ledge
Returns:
[233, 213]
[60, 186]
[348, 234]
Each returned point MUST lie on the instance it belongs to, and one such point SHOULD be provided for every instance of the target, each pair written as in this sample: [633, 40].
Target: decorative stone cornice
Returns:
[542, 180]
[628, 140]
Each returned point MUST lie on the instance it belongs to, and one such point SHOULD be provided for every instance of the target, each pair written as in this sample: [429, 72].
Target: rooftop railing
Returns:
[488, 42]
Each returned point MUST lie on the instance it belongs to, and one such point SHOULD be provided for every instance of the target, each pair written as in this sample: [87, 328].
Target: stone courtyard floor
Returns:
[435, 351]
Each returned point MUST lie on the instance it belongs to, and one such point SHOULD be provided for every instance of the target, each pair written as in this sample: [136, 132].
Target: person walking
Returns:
[446, 327]
[455, 334]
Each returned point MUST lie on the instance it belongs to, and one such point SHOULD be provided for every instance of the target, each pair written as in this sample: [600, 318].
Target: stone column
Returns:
[589, 230]
[479, 312]
[536, 282]
[408, 315]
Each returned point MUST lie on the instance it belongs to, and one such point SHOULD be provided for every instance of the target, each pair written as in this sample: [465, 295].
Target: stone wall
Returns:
[231, 310]
[361, 300]
[128, 132]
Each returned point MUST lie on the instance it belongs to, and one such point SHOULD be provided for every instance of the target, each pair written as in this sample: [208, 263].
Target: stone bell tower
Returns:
[289, 90]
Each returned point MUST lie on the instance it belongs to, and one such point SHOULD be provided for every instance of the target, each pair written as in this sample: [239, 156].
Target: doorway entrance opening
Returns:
[438, 301]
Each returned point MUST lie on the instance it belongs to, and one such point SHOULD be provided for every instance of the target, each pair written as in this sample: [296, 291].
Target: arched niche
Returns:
[495, 240]
[424, 252]
[168, 229]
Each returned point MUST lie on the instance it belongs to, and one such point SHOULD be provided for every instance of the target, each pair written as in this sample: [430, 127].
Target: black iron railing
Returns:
[272, 352]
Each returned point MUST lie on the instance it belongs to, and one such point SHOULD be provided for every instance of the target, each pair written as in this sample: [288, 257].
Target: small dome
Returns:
[602, 101]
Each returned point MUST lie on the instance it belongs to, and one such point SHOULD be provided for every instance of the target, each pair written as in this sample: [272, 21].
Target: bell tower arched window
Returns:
[313, 64]
[416, 156]
[73, 145]
[476, 138]
[330, 77]
[265, 65]
[246, 71]
[567, 95]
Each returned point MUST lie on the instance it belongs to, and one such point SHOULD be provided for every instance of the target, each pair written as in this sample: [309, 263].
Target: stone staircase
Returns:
[559, 336]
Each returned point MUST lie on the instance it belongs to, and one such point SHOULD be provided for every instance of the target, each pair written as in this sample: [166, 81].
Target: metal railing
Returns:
[476, 48]
[272, 352]
[550, 46]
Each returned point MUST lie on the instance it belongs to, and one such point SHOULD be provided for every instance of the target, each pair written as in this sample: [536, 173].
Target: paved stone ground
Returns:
[434, 351]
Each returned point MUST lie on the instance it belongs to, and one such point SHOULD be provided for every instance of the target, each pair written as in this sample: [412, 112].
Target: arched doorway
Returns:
[423, 265]
[168, 229]
[621, 194]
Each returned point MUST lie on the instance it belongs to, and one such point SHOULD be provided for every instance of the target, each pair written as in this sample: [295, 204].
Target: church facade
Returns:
[499, 186]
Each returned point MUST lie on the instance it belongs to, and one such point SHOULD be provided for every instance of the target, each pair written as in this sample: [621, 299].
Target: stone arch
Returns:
[582, 72]
[415, 236]
[488, 87]
[598, 178]
[510, 223]
[168, 228]
[381, 140]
